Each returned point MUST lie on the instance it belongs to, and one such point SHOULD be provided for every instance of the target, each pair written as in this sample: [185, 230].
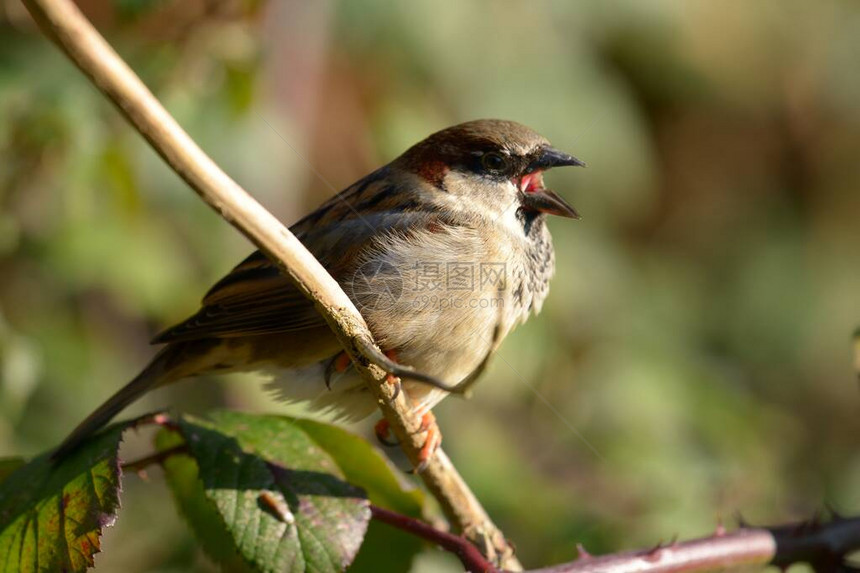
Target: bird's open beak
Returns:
[535, 196]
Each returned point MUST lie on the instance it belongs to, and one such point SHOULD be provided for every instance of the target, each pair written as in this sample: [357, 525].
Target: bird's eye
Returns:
[494, 162]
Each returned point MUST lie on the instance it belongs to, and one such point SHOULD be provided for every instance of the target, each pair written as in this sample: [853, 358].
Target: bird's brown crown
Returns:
[459, 145]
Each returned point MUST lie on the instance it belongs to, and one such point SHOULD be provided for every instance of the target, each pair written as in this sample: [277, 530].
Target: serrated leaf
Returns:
[52, 515]
[282, 498]
[182, 476]
[361, 463]
[385, 548]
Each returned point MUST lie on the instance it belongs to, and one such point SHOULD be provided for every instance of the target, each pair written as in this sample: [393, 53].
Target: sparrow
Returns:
[443, 251]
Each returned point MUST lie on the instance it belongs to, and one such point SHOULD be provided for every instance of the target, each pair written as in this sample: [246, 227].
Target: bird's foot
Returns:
[341, 363]
[432, 438]
[337, 365]
[393, 379]
[432, 441]
[382, 429]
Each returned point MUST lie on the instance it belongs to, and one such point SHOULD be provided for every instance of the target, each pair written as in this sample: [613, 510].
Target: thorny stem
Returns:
[822, 545]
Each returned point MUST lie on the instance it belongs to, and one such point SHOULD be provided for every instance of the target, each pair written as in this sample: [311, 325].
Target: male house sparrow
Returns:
[444, 251]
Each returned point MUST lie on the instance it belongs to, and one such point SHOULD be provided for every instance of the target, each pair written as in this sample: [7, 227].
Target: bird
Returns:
[444, 251]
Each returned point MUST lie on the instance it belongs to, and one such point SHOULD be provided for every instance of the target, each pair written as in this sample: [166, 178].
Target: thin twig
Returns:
[469, 555]
[72, 32]
[152, 459]
[822, 545]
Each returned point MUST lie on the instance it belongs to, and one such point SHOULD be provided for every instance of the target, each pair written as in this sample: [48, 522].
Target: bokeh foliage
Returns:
[698, 330]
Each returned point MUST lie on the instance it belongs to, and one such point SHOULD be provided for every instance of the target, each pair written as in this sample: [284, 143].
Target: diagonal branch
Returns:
[72, 32]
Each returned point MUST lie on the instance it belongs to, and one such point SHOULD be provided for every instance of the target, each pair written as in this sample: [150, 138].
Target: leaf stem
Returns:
[155, 458]
[468, 554]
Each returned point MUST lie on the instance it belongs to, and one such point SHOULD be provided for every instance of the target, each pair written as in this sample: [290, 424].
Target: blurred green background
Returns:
[693, 359]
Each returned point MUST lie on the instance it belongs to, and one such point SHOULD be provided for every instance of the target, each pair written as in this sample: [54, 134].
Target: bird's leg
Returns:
[341, 362]
[367, 348]
[432, 440]
[382, 429]
[392, 378]
[433, 437]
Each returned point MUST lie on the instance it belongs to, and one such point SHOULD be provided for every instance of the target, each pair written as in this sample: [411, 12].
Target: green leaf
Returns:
[52, 515]
[361, 463]
[365, 466]
[384, 548]
[282, 498]
[182, 476]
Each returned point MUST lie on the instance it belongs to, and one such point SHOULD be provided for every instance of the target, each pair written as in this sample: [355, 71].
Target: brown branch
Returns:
[822, 545]
[468, 554]
[72, 32]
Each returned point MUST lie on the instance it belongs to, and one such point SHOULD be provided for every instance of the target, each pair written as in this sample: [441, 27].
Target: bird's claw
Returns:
[432, 441]
[382, 429]
[337, 365]
[395, 381]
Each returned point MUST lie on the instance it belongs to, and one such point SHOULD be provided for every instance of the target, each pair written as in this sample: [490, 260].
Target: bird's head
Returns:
[497, 164]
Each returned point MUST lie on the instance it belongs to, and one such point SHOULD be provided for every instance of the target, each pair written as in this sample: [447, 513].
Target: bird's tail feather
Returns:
[155, 374]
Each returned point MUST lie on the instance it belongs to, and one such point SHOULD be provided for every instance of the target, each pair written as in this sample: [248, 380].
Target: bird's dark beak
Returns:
[546, 201]
[549, 157]
[537, 198]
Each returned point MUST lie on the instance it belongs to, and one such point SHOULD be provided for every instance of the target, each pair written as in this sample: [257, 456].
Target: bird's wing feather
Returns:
[255, 298]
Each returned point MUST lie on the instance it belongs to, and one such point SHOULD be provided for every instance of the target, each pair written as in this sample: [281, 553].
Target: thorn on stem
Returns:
[655, 552]
[581, 552]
